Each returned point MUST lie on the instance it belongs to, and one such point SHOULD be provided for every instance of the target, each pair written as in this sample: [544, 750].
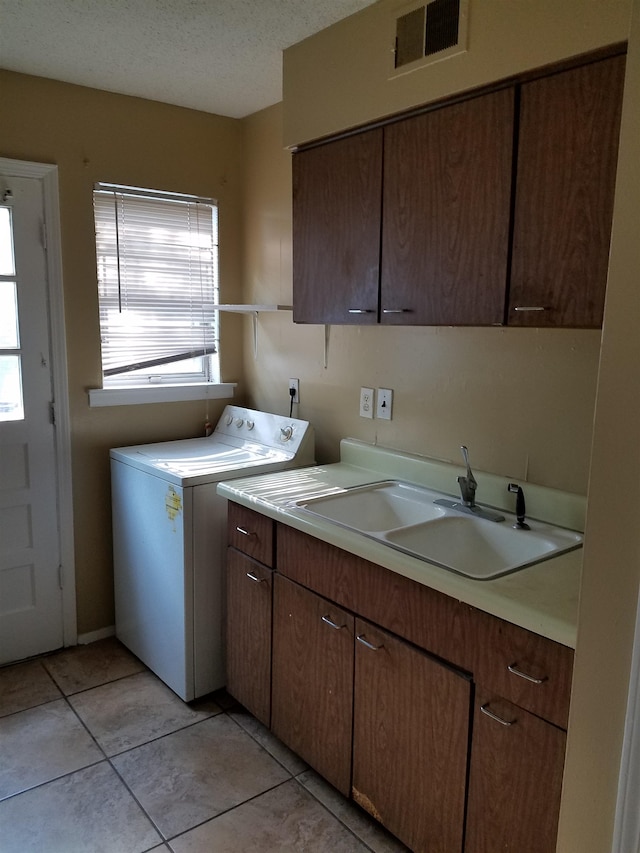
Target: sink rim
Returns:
[539, 529]
[565, 541]
[429, 496]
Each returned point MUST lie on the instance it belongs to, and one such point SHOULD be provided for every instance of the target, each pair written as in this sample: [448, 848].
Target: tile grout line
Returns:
[228, 712]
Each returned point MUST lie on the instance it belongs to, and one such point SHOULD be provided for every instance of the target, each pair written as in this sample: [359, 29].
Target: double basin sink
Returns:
[410, 519]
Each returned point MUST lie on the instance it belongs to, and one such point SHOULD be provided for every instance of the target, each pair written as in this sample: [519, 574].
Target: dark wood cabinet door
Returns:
[336, 230]
[312, 684]
[446, 202]
[410, 741]
[515, 781]
[249, 596]
[567, 157]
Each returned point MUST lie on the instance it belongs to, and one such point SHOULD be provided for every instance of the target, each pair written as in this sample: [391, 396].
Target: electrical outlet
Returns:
[295, 385]
[366, 402]
[384, 403]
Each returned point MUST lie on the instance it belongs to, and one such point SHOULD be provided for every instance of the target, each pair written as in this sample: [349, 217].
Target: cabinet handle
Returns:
[397, 310]
[244, 532]
[361, 311]
[333, 624]
[530, 308]
[514, 669]
[255, 578]
[361, 639]
[486, 710]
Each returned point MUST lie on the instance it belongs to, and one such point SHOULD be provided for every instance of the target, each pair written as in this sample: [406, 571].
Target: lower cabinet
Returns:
[515, 780]
[249, 590]
[410, 741]
[396, 694]
[312, 680]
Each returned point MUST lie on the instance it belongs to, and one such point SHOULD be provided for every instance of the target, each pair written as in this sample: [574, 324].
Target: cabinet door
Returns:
[336, 230]
[249, 596]
[567, 156]
[410, 741]
[446, 202]
[515, 780]
[313, 680]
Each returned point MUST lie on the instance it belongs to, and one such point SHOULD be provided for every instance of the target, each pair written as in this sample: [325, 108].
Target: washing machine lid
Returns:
[244, 440]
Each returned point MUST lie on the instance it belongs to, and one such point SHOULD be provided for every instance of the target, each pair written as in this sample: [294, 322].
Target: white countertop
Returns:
[542, 598]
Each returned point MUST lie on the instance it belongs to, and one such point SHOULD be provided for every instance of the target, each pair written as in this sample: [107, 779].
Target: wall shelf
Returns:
[254, 310]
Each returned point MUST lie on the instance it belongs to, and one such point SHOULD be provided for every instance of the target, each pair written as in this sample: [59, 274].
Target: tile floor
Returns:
[99, 756]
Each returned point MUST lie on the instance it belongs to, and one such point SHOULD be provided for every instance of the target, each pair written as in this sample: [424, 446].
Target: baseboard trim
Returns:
[92, 636]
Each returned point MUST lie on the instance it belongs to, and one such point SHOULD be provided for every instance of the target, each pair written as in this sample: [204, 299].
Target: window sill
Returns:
[137, 395]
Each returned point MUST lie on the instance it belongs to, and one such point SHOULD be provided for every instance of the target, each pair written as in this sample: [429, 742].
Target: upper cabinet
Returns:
[567, 156]
[490, 210]
[336, 230]
[445, 214]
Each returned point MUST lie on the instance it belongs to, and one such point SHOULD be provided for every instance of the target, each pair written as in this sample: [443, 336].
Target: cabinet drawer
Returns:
[251, 533]
[529, 670]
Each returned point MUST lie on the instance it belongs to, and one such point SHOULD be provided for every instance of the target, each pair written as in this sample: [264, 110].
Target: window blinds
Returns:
[157, 257]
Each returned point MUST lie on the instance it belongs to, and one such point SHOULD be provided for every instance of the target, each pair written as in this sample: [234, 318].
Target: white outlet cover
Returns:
[366, 402]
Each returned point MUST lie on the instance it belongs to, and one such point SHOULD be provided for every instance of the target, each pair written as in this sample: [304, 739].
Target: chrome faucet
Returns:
[468, 484]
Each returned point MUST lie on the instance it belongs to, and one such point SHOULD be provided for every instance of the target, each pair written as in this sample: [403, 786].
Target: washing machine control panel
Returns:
[290, 435]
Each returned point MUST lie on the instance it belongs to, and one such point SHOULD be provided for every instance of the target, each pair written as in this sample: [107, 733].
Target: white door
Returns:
[31, 603]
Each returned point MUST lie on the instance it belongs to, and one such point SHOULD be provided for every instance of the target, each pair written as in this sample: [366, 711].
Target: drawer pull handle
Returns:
[530, 308]
[486, 710]
[332, 624]
[513, 668]
[255, 578]
[362, 639]
[396, 310]
[361, 311]
[244, 532]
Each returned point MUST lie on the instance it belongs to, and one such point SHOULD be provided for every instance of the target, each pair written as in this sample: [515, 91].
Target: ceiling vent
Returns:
[429, 32]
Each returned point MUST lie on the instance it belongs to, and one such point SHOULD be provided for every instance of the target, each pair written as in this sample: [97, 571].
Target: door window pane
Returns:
[11, 406]
[8, 316]
[7, 264]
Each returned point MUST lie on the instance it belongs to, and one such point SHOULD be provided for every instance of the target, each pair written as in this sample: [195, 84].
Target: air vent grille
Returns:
[441, 30]
[427, 30]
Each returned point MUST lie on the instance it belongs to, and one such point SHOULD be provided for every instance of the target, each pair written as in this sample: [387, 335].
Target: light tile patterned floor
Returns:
[99, 756]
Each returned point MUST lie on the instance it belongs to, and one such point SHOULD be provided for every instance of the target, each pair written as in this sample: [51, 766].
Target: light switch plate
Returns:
[384, 404]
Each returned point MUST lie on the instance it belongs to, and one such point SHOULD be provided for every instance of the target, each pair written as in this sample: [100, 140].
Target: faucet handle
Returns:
[471, 480]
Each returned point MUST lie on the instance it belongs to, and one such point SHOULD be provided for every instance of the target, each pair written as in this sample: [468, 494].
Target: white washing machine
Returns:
[169, 539]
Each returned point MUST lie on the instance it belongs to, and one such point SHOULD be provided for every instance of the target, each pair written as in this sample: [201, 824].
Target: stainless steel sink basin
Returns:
[406, 518]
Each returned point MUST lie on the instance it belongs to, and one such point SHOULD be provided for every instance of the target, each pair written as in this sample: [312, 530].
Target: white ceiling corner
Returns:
[219, 56]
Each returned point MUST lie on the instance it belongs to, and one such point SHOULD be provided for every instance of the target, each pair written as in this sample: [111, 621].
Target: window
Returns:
[157, 257]
[11, 403]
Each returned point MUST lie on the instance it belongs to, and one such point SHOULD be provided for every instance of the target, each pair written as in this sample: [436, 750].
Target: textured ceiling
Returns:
[220, 56]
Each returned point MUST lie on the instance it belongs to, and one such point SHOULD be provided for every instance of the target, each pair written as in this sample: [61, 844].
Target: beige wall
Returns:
[523, 401]
[340, 77]
[95, 136]
[611, 571]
